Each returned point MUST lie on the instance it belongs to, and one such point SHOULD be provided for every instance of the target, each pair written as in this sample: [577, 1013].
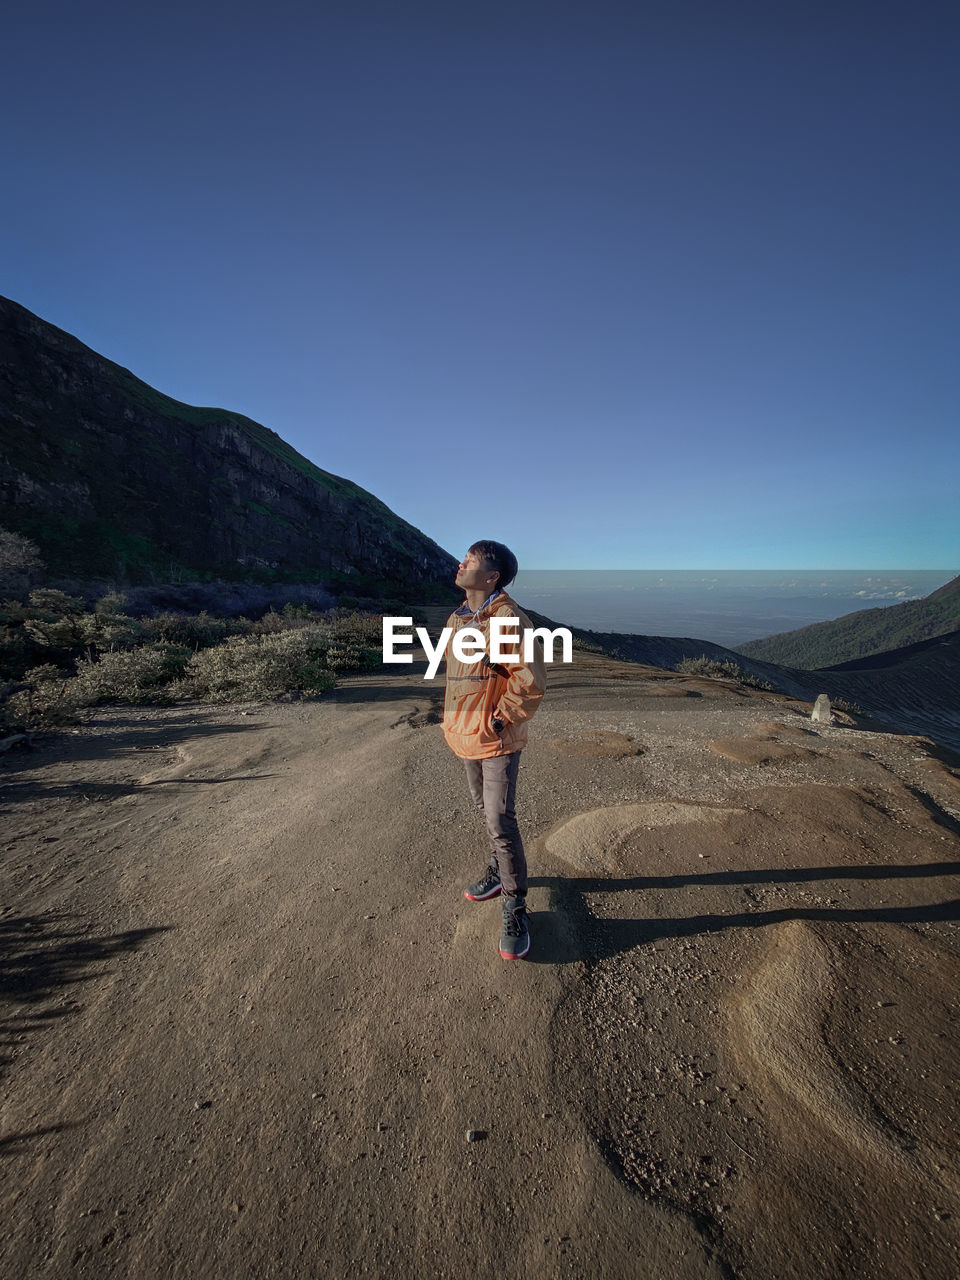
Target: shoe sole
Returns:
[506, 955]
[481, 897]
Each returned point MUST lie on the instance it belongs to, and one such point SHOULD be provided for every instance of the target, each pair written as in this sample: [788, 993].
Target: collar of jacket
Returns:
[466, 612]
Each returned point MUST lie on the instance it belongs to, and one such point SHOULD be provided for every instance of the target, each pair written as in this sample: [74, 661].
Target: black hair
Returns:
[498, 557]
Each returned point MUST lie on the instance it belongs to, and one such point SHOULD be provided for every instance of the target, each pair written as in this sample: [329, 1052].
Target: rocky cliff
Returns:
[113, 479]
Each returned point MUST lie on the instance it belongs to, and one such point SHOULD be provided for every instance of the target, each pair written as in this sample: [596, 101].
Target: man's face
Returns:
[475, 574]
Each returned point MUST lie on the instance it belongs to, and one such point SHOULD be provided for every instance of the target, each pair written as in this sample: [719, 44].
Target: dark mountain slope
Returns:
[113, 479]
[896, 657]
[917, 687]
[860, 634]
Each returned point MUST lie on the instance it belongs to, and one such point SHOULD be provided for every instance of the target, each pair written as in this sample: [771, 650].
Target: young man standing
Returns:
[486, 709]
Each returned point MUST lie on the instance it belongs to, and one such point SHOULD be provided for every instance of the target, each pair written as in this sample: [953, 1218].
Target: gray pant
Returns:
[493, 787]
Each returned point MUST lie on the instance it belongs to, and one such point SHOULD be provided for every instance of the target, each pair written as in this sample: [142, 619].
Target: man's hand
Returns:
[501, 671]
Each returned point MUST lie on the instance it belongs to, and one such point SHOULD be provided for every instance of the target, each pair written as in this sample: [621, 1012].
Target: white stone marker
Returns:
[821, 709]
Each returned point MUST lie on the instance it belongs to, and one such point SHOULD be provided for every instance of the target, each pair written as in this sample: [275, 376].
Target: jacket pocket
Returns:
[470, 718]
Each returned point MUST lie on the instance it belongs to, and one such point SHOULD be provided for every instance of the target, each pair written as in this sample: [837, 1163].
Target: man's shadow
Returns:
[568, 932]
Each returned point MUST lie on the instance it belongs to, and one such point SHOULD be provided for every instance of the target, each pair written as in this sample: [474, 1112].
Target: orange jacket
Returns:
[476, 694]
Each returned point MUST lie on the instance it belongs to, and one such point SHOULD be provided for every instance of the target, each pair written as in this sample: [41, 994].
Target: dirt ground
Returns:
[248, 1019]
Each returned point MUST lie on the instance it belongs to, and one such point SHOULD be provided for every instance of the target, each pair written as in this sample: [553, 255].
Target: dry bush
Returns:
[170, 655]
[253, 667]
[53, 619]
[713, 669]
[48, 701]
[130, 675]
[193, 631]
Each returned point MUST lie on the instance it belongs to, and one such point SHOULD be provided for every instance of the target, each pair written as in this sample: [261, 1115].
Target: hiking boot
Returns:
[515, 938]
[488, 886]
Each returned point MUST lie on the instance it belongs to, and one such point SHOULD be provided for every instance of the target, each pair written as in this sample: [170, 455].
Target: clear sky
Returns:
[624, 284]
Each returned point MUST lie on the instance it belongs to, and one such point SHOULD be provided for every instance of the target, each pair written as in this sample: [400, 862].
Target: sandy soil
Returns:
[248, 1019]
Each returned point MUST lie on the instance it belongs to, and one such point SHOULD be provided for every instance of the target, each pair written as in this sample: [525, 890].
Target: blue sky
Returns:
[624, 284]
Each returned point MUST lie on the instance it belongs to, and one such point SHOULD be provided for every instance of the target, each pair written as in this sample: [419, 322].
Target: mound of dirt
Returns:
[766, 745]
[759, 751]
[600, 743]
[606, 839]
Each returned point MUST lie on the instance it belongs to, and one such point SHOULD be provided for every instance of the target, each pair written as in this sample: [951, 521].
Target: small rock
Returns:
[202, 1106]
[476, 1135]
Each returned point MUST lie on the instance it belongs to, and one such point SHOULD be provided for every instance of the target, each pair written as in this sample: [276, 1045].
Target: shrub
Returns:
[101, 631]
[709, 667]
[122, 659]
[130, 675]
[272, 623]
[14, 650]
[754, 682]
[365, 629]
[251, 667]
[713, 669]
[850, 708]
[352, 657]
[292, 612]
[114, 602]
[194, 631]
[48, 701]
[356, 641]
[56, 604]
[53, 619]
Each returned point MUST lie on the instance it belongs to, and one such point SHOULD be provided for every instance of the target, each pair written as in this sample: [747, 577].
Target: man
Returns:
[486, 709]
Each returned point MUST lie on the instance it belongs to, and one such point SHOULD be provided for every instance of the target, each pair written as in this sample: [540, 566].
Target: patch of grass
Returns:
[851, 708]
[713, 669]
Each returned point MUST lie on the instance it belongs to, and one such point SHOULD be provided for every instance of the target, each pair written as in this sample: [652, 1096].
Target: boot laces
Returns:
[515, 921]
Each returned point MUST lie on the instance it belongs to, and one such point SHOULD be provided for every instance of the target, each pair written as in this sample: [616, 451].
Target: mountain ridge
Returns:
[861, 634]
[189, 491]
